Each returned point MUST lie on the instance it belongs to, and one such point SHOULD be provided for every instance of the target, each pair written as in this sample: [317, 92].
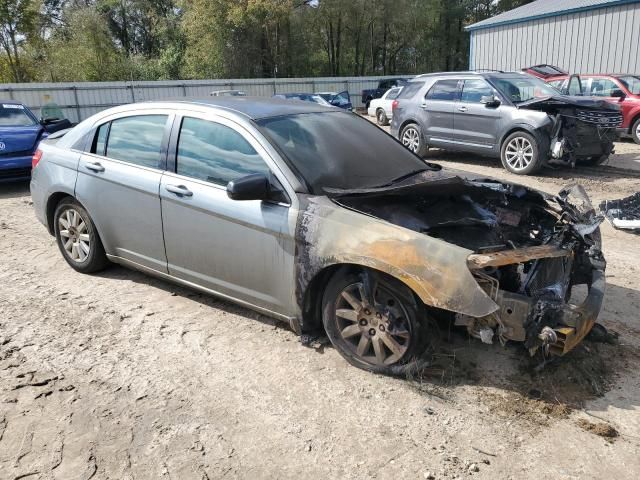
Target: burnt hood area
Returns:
[482, 215]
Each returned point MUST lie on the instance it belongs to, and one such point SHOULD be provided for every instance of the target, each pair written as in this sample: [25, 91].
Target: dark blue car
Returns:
[20, 133]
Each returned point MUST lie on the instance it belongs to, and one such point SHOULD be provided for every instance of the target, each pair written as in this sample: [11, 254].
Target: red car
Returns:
[621, 88]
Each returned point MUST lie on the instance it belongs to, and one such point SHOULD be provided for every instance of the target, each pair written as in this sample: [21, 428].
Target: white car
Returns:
[381, 107]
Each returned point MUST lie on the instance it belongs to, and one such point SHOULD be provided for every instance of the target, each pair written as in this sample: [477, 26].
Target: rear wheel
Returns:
[78, 238]
[411, 137]
[381, 117]
[520, 154]
[372, 320]
[635, 131]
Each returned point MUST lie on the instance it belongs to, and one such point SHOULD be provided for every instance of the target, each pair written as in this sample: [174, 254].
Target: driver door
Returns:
[240, 249]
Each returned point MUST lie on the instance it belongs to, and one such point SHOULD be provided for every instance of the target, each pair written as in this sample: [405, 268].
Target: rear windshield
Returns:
[410, 89]
[632, 83]
[12, 115]
[339, 150]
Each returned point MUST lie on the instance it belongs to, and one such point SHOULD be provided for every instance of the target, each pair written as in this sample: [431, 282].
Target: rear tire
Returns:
[412, 138]
[520, 154]
[379, 331]
[78, 238]
[381, 118]
[635, 131]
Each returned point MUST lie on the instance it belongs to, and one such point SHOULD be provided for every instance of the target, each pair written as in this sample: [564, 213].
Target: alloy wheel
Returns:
[519, 153]
[411, 139]
[374, 325]
[74, 234]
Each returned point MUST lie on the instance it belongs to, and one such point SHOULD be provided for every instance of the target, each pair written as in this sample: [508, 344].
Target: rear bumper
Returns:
[15, 168]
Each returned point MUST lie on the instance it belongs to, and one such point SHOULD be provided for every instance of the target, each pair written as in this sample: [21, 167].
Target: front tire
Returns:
[412, 138]
[372, 320]
[381, 118]
[520, 154]
[635, 131]
[78, 238]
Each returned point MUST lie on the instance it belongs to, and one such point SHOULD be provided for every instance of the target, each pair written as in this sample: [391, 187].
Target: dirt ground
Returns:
[123, 376]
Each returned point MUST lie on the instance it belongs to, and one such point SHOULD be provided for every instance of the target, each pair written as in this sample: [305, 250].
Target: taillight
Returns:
[395, 104]
[36, 158]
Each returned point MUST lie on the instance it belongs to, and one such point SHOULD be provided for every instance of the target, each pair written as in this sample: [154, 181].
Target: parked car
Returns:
[383, 86]
[273, 205]
[340, 100]
[514, 116]
[303, 97]
[623, 89]
[381, 108]
[20, 132]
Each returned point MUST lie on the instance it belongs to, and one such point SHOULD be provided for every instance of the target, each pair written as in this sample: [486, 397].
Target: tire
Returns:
[382, 338]
[381, 118]
[635, 131]
[520, 154]
[412, 138]
[73, 224]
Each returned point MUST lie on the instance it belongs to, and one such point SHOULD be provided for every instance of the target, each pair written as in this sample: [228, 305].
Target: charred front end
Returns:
[581, 128]
[529, 252]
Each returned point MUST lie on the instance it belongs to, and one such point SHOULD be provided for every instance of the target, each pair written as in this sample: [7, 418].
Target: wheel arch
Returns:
[52, 203]
[407, 122]
[634, 119]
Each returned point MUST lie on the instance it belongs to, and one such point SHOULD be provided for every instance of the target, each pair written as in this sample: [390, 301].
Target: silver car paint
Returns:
[464, 126]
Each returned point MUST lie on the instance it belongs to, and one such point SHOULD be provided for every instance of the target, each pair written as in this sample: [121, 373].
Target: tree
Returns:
[17, 21]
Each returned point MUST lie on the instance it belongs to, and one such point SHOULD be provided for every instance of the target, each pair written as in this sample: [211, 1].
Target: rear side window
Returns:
[445, 90]
[410, 89]
[136, 140]
[215, 153]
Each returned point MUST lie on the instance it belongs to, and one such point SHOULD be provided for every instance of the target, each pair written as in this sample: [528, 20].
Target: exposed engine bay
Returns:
[582, 128]
[529, 250]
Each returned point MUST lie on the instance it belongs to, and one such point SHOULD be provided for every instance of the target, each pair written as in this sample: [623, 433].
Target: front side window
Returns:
[136, 140]
[15, 115]
[602, 87]
[632, 83]
[474, 90]
[215, 153]
[444, 90]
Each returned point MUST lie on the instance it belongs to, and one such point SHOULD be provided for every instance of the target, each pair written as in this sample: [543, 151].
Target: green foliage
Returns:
[99, 40]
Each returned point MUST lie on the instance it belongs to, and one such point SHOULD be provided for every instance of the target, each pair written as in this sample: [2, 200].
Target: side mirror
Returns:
[618, 94]
[250, 187]
[490, 101]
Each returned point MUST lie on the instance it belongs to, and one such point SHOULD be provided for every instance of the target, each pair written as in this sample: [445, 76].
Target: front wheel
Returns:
[372, 320]
[411, 137]
[520, 154]
[78, 238]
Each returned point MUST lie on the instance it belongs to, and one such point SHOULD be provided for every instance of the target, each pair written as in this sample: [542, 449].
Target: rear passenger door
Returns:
[476, 122]
[118, 183]
[437, 111]
[241, 249]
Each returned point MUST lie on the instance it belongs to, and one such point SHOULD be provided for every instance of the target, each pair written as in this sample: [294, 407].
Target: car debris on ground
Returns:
[624, 213]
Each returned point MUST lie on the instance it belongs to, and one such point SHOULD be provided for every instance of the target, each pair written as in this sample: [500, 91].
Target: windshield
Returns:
[339, 150]
[13, 115]
[522, 89]
[632, 83]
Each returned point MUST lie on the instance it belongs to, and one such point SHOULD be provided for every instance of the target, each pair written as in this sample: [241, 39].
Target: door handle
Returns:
[462, 109]
[95, 166]
[423, 106]
[180, 190]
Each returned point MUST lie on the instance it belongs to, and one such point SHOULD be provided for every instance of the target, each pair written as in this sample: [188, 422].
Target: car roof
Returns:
[256, 107]
[11, 102]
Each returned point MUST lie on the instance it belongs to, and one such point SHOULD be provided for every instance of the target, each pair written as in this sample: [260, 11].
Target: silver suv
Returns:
[514, 116]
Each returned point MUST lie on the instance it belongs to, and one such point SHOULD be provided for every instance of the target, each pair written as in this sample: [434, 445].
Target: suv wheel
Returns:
[78, 238]
[381, 117]
[372, 320]
[411, 137]
[635, 131]
[520, 154]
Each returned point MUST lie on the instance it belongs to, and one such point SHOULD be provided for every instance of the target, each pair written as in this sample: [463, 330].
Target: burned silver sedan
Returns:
[315, 216]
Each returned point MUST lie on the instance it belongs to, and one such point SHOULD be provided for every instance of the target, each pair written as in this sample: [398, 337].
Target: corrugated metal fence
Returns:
[81, 100]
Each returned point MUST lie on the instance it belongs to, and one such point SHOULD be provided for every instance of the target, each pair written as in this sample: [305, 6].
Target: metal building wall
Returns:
[606, 40]
[81, 100]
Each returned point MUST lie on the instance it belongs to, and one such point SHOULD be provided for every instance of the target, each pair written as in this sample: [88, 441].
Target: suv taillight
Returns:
[36, 158]
[395, 104]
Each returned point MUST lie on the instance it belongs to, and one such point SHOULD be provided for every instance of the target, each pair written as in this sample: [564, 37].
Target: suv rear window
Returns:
[410, 89]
